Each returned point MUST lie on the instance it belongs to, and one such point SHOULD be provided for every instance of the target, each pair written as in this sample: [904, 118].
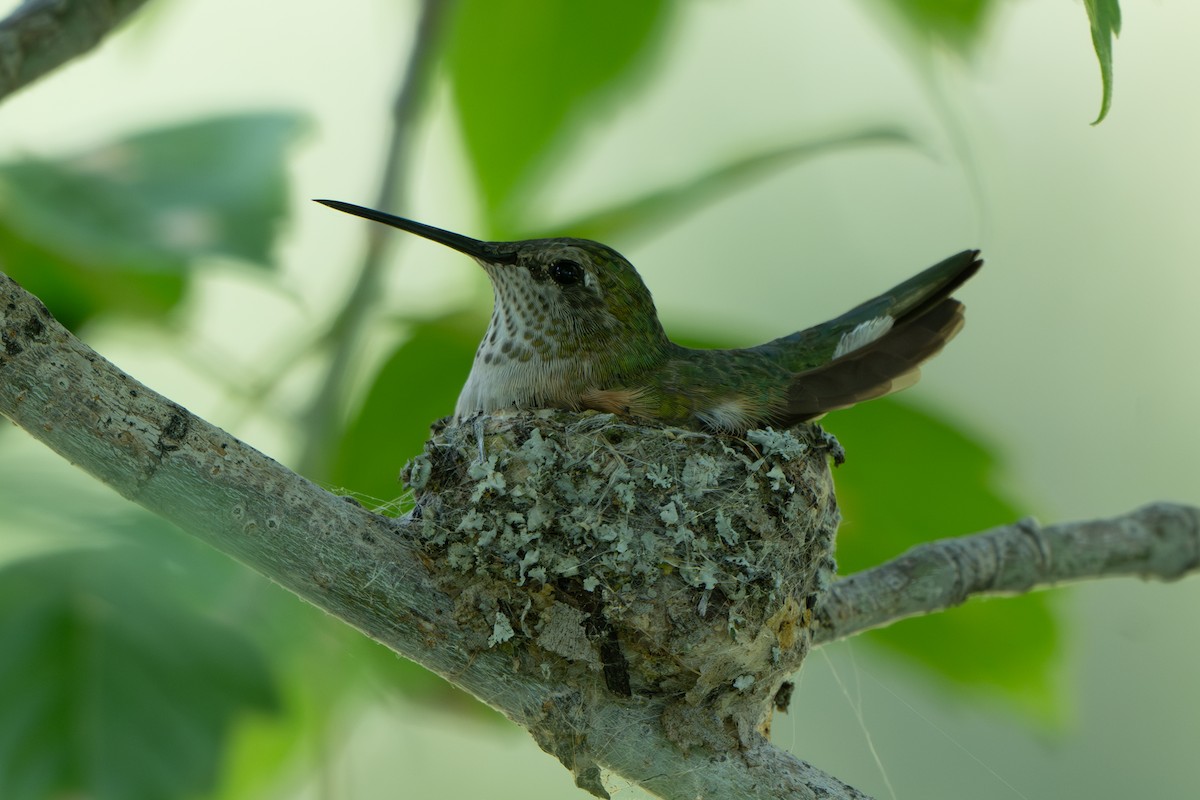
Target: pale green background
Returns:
[1077, 366]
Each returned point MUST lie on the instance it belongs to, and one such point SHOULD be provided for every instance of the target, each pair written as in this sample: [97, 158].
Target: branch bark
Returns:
[1160, 540]
[42, 35]
[369, 571]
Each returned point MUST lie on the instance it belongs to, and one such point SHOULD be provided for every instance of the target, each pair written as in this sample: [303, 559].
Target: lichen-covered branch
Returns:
[1161, 541]
[41, 35]
[366, 569]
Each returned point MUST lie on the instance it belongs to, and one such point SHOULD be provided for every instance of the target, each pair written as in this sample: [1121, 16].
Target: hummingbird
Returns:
[574, 327]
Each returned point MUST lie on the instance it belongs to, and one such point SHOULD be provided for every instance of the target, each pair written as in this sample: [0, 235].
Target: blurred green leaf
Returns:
[263, 751]
[1008, 646]
[324, 673]
[112, 229]
[75, 293]
[1105, 19]
[416, 386]
[655, 209]
[324, 688]
[158, 198]
[526, 72]
[958, 24]
[910, 477]
[111, 689]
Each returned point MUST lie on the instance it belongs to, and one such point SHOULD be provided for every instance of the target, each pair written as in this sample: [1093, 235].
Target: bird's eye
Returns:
[565, 272]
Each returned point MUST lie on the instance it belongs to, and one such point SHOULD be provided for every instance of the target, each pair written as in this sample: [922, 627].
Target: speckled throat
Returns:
[528, 358]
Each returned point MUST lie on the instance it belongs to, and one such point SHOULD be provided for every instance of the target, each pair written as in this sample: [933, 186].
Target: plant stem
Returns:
[323, 419]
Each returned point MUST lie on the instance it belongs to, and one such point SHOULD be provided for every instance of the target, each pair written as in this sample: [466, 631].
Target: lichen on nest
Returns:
[670, 561]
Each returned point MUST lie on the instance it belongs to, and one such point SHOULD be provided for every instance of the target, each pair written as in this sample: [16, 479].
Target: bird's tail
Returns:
[877, 348]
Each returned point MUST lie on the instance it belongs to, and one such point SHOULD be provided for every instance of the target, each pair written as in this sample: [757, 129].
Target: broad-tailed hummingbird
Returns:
[574, 327]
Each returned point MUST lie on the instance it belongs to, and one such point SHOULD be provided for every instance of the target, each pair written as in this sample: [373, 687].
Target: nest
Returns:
[640, 560]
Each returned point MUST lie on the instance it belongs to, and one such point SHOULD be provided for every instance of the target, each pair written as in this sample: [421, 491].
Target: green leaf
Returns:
[77, 292]
[417, 385]
[322, 667]
[525, 73]
[958, 24]
[909, 478]
[109, 688]
[112, 229]
[655, 209]
[1105, 19]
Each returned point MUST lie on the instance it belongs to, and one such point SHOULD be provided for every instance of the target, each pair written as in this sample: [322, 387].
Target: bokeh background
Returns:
[792, 159]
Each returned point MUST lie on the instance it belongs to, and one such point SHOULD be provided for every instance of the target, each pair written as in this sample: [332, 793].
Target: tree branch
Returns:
[1161, 541]
[41, 35]
[366, 569]
[371, 571]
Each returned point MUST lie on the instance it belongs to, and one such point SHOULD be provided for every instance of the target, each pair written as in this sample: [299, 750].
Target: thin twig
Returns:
[42, 35]
[322, 421]
[1160, 541]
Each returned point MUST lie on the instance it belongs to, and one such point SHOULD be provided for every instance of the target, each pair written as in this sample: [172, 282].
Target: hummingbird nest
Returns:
[643, 561]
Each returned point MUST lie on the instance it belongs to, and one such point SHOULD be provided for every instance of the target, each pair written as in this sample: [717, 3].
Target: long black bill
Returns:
[492, 252]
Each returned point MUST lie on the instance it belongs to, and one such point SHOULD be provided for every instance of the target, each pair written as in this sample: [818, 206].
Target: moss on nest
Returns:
[644, 560]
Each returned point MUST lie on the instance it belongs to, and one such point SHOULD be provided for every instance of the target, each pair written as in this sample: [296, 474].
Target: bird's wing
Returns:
[877, 347]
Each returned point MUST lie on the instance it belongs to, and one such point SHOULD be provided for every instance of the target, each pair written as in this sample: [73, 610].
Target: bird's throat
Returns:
[514, 368]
